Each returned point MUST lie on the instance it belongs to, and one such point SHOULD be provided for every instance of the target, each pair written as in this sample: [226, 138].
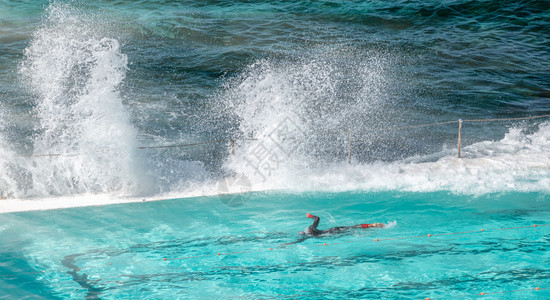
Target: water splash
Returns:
[74, 73]
[391, 224]
[7, 184]
[308, 98]
[307, 102]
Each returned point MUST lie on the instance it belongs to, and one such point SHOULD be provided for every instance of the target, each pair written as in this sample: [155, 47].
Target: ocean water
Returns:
[287, 107]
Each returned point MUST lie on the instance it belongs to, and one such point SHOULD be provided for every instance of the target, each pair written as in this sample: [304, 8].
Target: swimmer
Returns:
[312, 230]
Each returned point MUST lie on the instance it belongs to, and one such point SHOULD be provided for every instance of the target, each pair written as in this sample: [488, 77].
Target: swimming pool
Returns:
[169, 249]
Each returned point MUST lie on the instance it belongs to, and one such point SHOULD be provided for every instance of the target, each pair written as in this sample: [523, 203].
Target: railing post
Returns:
[349, 146]
[459, 135]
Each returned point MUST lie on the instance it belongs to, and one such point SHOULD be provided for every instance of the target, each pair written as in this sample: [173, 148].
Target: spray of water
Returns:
[301, 109]
[292, 107]
[74, 73]
[7, 184]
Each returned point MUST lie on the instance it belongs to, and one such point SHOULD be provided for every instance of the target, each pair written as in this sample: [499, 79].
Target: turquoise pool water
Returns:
[118, 251]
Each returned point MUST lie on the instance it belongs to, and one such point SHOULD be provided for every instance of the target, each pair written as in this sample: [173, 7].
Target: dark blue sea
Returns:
[245, 108]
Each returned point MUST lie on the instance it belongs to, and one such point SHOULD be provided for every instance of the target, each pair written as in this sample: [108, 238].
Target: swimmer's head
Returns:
[305, 232]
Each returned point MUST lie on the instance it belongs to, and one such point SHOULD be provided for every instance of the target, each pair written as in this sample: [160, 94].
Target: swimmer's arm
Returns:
[315, 222]
[379, 225]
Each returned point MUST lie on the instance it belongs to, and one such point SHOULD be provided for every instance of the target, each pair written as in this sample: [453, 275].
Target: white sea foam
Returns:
[518, 162]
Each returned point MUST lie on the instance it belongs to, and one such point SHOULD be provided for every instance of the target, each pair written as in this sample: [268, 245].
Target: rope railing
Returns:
[347, 132]
[184, 145]
[507, 119]
[418, 126]
[65, 154]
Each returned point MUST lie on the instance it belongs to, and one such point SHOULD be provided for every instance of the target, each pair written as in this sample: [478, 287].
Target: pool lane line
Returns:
[404, 237]
[436, 234]
[23, 273]
[520, 227]
[490, 293]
